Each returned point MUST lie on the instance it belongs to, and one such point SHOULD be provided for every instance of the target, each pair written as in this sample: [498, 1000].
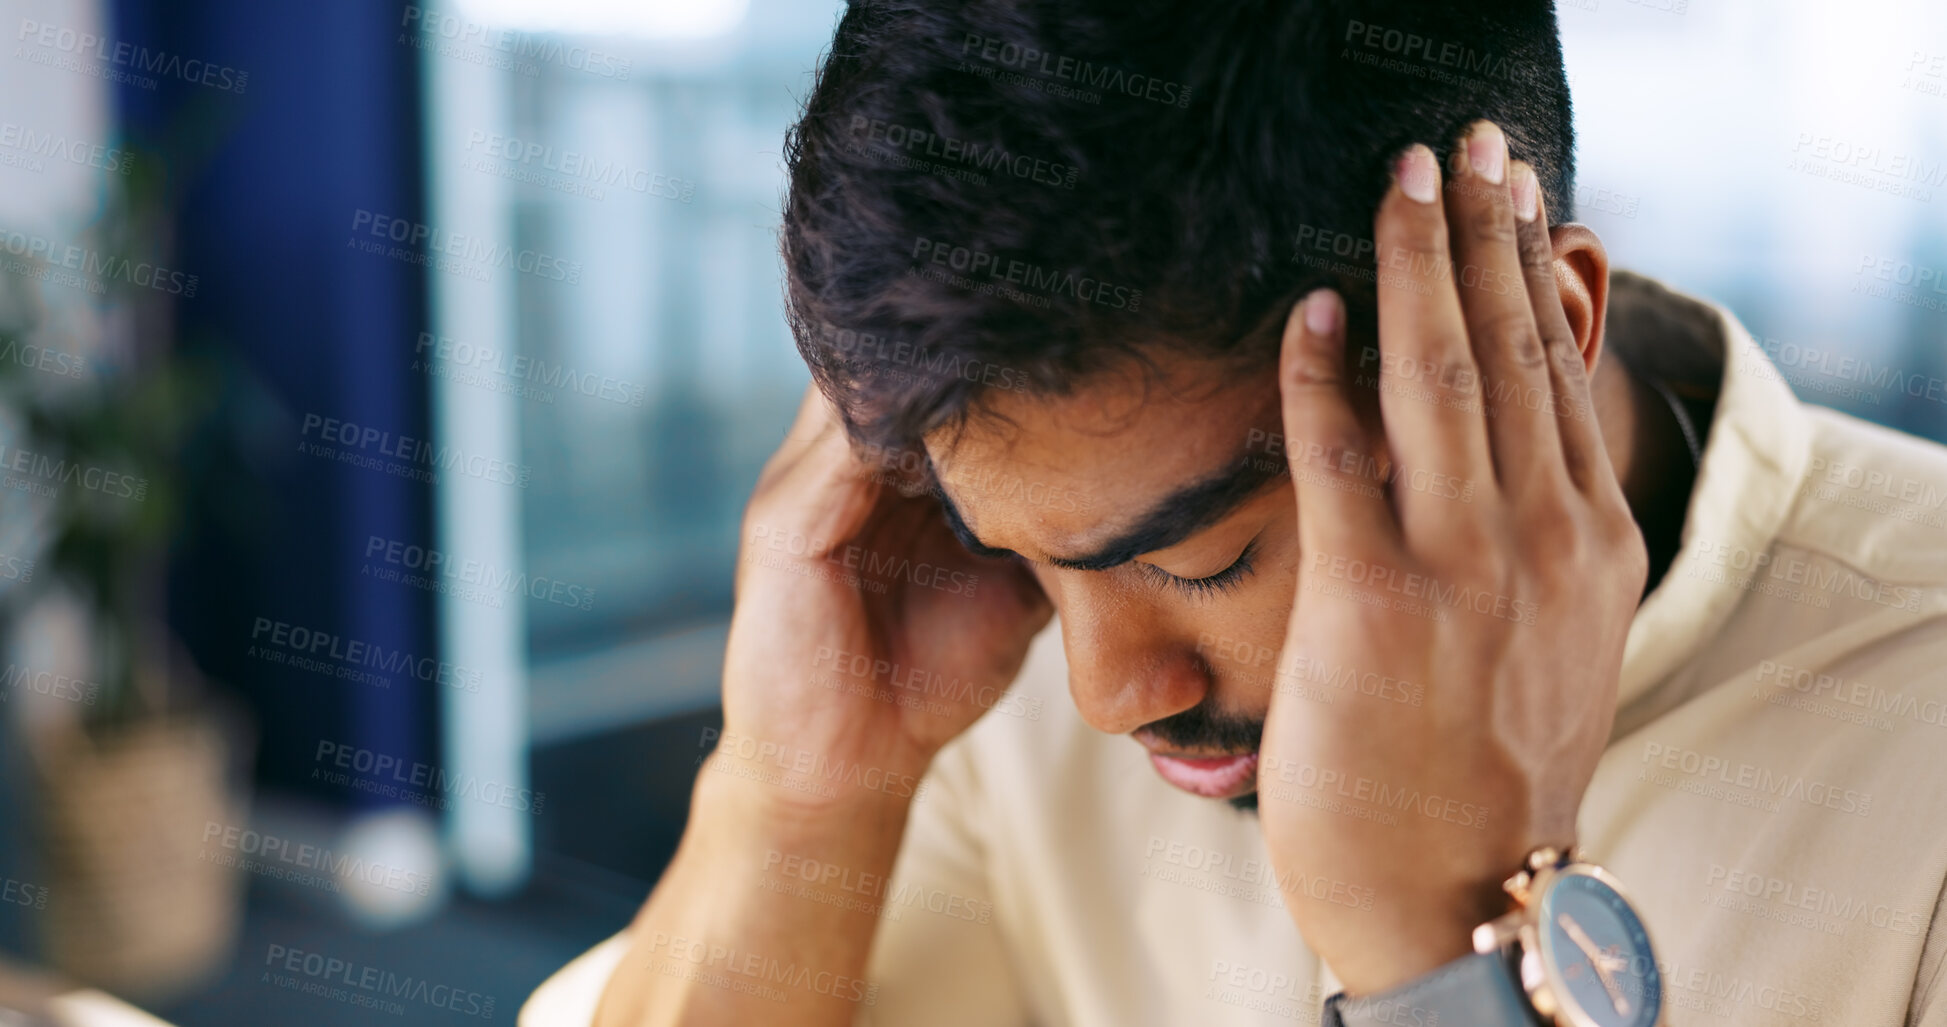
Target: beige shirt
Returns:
[1774, 798]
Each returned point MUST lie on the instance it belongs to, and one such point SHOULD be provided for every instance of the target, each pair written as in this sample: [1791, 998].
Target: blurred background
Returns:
[380, 385]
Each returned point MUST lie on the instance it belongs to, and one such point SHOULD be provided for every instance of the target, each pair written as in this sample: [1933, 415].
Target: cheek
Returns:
[1239, 639]
[1050, 581]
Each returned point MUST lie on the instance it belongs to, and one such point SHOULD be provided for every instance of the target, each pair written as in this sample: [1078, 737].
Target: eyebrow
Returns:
[1169, 521]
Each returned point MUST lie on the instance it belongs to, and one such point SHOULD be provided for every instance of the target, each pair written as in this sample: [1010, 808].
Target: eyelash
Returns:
[1223, 581]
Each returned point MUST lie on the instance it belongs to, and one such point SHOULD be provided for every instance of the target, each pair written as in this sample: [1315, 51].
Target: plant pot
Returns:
[134, 905]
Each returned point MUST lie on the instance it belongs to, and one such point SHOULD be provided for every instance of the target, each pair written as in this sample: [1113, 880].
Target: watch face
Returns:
[1596, 954]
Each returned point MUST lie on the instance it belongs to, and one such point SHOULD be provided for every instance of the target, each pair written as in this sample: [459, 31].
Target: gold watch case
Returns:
[1518, 931]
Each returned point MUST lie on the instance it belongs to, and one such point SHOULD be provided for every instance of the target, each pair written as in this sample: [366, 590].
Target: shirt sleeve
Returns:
[1929, 1005]
[939, 957]
[569, 998]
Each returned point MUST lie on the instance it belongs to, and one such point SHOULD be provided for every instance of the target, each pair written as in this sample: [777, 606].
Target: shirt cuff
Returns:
[569, 998]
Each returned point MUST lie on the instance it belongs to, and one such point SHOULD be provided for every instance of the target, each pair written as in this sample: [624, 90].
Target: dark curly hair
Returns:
[1012, 194]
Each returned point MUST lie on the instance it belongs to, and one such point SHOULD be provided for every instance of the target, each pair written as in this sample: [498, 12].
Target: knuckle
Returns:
[1621, 535]
[1324, 447]
[1457, 375]
[1554, 568]
[1466, 546]
[1451, 366]
[1446, 373]
[1489, 224]
[1607, 544]
[1561, 346]
[1550, 528]
[1615, 551]
[1537, 255]
[1638, 565]
[1451, 361]
[1514, 336]
[1313, 372]
[1566, 356]
[1569, 391]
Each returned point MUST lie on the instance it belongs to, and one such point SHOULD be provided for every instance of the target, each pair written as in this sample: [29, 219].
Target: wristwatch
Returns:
[1573, 953]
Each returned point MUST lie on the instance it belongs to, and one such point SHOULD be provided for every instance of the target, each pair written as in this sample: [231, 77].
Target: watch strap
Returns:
[1473, 991]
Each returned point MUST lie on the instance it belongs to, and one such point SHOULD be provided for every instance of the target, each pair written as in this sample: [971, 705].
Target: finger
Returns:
[1339, 508]
[1500, 317]
[815, 447]
[1579, 437]
[1429, 386]
[815, 421]
[814, 484]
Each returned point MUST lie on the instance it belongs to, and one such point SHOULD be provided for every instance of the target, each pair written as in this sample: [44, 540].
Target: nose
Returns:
[1124, 670]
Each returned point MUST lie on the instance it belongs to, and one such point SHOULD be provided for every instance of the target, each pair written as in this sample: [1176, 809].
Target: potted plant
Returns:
[137, 754]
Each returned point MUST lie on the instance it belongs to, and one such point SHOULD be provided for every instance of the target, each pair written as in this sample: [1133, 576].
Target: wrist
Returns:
[743, 831]
[1425, 910]
[1408, 936]
[1393, 954]
[796, 797]
[1569, 929]
[816, 767]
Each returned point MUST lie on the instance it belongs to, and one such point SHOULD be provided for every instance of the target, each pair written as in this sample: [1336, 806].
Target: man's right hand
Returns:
[850, 598]
[848, 593]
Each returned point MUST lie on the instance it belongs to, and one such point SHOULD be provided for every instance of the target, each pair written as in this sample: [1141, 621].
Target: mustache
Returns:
[1205, 727]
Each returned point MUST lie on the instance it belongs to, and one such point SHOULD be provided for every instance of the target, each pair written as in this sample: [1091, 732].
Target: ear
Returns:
[1582, 278]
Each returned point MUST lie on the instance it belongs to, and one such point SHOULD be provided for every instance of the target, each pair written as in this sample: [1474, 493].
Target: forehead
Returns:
[1039, 473]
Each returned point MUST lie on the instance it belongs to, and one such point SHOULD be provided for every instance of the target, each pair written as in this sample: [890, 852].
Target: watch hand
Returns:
[1579, 937]
[1597, 958]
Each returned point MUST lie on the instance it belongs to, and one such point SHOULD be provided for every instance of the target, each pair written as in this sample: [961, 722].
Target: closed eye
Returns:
[1205, 587]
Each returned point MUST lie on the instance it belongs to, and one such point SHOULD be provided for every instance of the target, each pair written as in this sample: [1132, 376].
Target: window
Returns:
[649, 392]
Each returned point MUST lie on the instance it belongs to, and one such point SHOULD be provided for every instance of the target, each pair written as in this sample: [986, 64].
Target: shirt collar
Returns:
[1753, 465]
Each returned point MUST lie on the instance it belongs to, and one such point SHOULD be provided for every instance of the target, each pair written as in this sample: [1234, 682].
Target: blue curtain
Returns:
[313, 117]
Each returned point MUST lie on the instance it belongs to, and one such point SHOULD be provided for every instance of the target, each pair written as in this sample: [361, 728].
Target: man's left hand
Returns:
[1481, 599]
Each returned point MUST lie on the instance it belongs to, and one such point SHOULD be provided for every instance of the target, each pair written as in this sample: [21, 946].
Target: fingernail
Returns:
[1527, 192]
[1487, 151]
[1418, 174]
[1322, 312]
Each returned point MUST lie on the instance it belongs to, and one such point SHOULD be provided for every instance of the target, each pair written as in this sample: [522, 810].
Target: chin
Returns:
[1246, 803]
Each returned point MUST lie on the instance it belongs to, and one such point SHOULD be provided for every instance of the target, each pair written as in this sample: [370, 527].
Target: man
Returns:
[1432, 566]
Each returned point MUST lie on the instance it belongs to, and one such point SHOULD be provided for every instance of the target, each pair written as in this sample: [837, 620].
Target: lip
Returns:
[1213, 777]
